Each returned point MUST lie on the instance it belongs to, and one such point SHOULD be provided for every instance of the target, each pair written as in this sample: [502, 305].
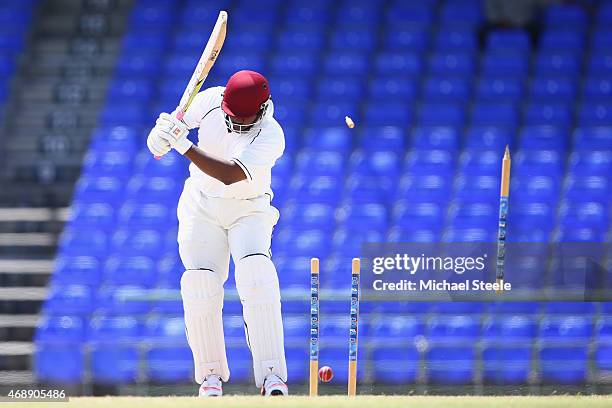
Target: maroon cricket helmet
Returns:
[245, 94]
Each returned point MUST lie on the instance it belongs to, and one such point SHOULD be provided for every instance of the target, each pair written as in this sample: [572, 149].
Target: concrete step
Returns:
[35, 195]
[16, 377]
[18, 327]
[16, 355]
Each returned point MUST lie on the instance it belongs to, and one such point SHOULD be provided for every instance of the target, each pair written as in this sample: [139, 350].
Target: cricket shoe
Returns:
[273, 386]
[211, 387]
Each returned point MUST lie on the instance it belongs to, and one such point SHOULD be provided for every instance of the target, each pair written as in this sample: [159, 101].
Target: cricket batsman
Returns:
[225, 208]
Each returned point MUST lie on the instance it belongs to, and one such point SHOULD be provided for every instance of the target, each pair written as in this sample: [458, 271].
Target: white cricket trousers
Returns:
[210, 229]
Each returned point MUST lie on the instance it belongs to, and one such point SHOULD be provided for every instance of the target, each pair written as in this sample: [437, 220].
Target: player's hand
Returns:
[157, 144]
[174, 132]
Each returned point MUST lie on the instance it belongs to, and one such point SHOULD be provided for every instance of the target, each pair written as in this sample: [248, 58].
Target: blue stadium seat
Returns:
[591, 163]
[481, 162]
[441, 114]
[457, 12]
[99, 189]
[332, 114]
[346, 63]
[599, 63]
[544, 138]
[453, 328]
[455, 39]
[379, 113]
[169, 364]
[418, 14]
[406, 38]
[563, 364]
[324, 163]
[599, 40]
[359, 13]
[311, 216]
[306, 39]
[294, 63]
[47, 369]
[115, 363]
[500, 63]
[77, 270]
[593, 138]
[389, 63]
[98, 215]
[545, 88]
[396, 365]
[348, 239]
[448, 89]
[499, 89]
[433, 136]
[570, 328]
[597, 89]
[426, 161]
[340, 89]
[508, 40]
[132, 90]
[121, 300]
[366, 215]
[392, 88]
[549, 114]
[424, 187]
[126, 114]
[587, 188]
[450, 365]
[362, 189]
[60, 328]
[570, 308]
[506, 365]
[597, 114]
[76, 300]
[361, 39]
[252, 40]
[166, 330]
[488, 137]
[301, 242]
[384, 163]
[130, 270]
[557, 63]
[145, 41]
[316, 189]
[382, 138]
[603, 358]
[499, 114]
[323, 138]
[510, 328]
[455, 64]
[561, 39]
[114, 329]
[564, 15]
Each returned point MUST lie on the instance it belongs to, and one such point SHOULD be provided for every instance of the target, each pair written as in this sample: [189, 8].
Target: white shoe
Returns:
[273, 386]
[211, 387]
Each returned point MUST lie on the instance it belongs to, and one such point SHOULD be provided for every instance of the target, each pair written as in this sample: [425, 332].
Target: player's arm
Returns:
[225, 171]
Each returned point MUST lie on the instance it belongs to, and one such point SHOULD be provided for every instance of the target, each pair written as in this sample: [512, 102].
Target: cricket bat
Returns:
[205, 64]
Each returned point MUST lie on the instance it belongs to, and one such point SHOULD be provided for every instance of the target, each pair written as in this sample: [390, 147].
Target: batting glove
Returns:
[174, 132]
[157, 144]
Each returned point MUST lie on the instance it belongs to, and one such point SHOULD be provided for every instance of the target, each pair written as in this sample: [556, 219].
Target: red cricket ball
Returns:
[326, 374]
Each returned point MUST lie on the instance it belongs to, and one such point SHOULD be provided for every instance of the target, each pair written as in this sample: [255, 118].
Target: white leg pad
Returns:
[257, 284]
[202, 293]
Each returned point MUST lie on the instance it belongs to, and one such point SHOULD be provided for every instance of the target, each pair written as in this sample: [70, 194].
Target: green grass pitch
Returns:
[331, 402]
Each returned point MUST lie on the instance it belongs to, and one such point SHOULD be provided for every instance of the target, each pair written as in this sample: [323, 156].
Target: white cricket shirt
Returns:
[255, 152]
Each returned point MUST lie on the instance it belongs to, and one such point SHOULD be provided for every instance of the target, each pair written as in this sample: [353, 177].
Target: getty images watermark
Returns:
[426, 265]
